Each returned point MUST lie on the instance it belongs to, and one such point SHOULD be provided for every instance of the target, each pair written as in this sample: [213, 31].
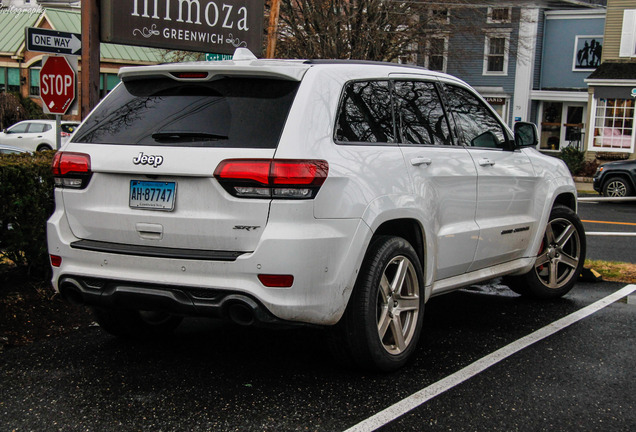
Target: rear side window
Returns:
[479, 126]
[365, 113]
[39, 127]
[228, 112]
[420, 116]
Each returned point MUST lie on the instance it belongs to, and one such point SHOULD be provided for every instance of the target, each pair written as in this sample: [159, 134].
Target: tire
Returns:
[44, 147]
[127, 323]
[560, 259]
[617, 187]
[383, 321]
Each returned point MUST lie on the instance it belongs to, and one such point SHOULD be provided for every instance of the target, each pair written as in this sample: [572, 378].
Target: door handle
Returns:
[486, 162]
[417, 161]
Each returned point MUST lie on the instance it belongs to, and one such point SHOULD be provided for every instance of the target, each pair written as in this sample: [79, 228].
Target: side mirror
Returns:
[526, 134]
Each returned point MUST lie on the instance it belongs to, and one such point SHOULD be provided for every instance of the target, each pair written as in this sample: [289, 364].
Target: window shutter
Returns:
[628, 39]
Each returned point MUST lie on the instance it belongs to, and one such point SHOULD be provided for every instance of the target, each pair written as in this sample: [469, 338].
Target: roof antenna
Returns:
[243, 54]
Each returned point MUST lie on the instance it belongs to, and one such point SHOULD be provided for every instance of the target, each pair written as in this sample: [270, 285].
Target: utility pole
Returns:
[90, 56]
[274, 10]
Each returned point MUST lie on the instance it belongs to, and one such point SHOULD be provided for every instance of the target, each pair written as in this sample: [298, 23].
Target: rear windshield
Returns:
[228, 112]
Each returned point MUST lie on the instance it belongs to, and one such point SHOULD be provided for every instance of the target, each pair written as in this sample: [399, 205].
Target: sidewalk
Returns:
[584, 185]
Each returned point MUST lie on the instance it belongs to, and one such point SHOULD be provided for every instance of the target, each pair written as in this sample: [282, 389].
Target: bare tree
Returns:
[11, 110]
[359, 29]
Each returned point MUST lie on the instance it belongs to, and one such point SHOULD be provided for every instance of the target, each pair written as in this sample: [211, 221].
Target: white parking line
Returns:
[415, 400]
[608, 234]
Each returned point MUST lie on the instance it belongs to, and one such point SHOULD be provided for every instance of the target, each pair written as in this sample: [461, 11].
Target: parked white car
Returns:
[36, 135]
[341, 194]
[5, 149]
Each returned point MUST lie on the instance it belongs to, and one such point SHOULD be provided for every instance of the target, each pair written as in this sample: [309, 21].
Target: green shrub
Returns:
[26, 202]
[573, 158]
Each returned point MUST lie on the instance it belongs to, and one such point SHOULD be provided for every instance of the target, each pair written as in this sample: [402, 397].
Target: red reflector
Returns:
[69, 162]
[190, 75]
[56, 261]
[276, 281]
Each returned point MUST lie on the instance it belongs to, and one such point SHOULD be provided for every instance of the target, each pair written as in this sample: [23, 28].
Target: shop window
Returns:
[613, 125]
[551, 126]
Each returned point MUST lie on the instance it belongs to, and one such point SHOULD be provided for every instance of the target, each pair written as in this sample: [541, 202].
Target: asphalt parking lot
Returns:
[211, 376]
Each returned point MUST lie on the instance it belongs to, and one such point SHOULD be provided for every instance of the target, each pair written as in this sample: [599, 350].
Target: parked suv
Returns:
[36, 135]
[341, 194]
[616, 179]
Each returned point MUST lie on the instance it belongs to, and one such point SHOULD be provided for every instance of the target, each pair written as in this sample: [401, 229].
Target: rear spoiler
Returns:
[244, 63]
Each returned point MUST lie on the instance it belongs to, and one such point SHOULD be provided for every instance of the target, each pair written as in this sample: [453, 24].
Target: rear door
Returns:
[154, 145]
[443, 175]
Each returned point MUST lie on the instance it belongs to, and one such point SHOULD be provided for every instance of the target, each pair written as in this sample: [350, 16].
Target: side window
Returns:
[478, 125]
[21, 128]
[420, 116]
[365, 114]
[37, 127]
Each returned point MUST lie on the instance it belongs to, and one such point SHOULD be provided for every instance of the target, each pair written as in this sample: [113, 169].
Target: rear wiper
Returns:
[187, 136]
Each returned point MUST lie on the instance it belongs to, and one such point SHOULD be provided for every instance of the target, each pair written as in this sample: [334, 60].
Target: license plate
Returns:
[152, 195]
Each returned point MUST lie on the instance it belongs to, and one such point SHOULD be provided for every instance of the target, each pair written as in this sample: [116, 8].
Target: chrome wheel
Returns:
[398, 305]
[616, 188]
[558, 262]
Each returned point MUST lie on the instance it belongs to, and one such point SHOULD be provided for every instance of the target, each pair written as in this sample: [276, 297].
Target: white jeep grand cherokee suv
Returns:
[342, 194]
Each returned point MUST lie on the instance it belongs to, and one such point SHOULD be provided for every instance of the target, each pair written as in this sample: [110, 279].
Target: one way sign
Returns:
[53, 41]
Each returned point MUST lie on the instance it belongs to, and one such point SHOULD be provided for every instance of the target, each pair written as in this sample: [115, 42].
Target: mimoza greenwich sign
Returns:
[217, 26]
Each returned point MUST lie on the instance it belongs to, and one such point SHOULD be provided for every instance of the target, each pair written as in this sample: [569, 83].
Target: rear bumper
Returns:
[237, 307]
[323, 255]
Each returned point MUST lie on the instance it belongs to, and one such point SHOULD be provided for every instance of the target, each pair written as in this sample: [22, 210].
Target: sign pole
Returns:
[272, 31]
[58, 131]
[90, 57]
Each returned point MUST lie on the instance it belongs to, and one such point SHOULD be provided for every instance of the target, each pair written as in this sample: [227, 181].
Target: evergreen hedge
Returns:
[26, 203]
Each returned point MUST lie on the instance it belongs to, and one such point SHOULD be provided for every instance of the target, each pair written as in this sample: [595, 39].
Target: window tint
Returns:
[365, 114]
[228, 112]
[420, 116]
[479, 126]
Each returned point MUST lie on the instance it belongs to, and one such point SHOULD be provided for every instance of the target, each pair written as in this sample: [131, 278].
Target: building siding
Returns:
[614, 26]
[559, 50]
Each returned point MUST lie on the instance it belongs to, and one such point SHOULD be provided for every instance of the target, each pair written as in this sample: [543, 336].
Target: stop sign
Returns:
[57, 85]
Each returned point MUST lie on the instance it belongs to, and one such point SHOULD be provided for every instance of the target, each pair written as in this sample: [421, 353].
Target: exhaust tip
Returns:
[71, 295]
[241, 314]
[71, 291]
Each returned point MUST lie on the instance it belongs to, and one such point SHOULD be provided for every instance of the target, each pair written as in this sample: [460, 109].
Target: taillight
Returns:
[272, 178]
[71, 170]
